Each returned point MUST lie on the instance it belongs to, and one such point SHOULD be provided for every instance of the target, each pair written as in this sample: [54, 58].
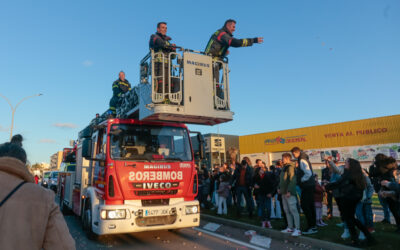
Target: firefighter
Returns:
[223, 38]
[219, 43]
[119, 87]
[160, 42]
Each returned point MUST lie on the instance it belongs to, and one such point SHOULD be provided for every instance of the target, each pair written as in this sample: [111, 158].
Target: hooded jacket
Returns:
[30, 218]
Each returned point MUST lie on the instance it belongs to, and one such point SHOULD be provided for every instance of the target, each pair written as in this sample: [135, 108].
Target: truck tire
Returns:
[87, 221]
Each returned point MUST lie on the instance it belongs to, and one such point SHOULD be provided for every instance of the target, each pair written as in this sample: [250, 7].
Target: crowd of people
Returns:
[290, 187]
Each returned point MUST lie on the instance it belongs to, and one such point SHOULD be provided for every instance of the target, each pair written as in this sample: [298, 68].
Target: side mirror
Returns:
[87, 148]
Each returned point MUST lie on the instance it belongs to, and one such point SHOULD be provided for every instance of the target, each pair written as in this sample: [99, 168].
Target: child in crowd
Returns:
[223, 193]
[318, 197]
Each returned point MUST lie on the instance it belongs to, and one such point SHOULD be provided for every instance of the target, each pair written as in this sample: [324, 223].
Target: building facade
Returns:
[217, 148]
[361, 140]
[55, 160]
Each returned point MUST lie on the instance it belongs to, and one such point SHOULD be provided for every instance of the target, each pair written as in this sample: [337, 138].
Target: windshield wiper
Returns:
[173, 159]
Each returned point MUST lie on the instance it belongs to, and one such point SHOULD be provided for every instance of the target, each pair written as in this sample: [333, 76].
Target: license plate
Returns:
[155, 212]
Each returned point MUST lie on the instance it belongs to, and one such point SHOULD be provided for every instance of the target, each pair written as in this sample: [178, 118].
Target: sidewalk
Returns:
[275, 234]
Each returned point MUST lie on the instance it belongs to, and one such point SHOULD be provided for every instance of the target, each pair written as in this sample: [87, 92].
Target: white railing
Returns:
[220, 84]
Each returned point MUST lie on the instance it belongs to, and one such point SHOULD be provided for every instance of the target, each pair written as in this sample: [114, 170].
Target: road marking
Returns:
[229, 239]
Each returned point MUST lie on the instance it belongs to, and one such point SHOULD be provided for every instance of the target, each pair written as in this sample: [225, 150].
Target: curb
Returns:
[320, 244]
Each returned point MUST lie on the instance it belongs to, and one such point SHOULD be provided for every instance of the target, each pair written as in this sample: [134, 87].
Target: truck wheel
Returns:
[87, 221]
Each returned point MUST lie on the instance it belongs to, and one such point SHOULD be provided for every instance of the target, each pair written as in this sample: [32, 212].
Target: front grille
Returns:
[156, 192]
[156, 202]
[156, 220]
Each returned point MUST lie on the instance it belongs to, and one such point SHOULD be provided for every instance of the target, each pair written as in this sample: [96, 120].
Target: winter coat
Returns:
[248, 176]
[287, 181]
[30, 218]
[266, 184]
[223, 189]
[345, 187]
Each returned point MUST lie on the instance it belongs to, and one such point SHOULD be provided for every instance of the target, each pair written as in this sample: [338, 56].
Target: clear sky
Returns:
[321, 61]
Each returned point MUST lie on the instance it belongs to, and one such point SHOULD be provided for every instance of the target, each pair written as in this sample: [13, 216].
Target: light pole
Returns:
[13, 109]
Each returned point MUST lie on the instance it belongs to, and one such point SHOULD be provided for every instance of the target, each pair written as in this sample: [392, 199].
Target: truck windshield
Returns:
[149, 143]
[54, 174]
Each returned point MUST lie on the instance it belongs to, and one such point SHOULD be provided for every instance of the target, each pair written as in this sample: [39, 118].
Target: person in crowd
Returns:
[364, 207]
[374, 175]
[264, 188]
[326, 177]
[318, 198]
[384, 169]
[223, 193]
[36, 179]
[306, 182]
[276, 206]
[231, 169]
[287, 188]
[119, 87]
[242, 178]
[38, 223]
[350, 186]
[337, 172]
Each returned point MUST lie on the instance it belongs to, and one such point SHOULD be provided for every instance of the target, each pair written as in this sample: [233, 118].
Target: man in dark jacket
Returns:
[160, 42]
[242, 180]
[119, 87]
[223, 38]
[219, 43]
[305, 180]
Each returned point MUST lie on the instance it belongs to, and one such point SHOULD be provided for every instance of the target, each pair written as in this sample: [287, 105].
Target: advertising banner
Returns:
[382, 130]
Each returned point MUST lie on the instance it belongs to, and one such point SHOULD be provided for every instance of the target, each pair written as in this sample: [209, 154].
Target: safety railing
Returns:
[158, 63]
[221, 84]
[175, 78]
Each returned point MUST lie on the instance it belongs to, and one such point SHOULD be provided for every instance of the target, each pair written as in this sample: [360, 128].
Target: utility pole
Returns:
[13, 109]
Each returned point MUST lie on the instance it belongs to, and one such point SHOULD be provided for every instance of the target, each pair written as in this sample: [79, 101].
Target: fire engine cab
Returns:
[136, 171]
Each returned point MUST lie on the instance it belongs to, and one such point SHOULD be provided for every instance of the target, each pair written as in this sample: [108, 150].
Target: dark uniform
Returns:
[221, 40]
[160, 43]
[218, 46]
[119, 87]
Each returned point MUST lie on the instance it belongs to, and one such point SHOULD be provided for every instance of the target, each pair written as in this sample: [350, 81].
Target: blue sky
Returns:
[321, 61]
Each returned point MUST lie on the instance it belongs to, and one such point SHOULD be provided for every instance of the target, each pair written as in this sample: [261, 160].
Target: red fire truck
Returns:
[137, 172]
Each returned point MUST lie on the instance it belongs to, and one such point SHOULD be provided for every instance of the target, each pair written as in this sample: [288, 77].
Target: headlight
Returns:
[53, 182]
[44, 183]
[192, 209]
[115, 214]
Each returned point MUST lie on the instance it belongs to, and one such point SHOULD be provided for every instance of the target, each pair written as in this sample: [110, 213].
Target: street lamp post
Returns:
[13, 109]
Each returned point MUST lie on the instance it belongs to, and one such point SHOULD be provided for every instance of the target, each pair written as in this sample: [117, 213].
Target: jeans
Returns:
[385, 207]
[264, 203]
[246, 192]
[349, 210]
[364, 214]
[222, 203]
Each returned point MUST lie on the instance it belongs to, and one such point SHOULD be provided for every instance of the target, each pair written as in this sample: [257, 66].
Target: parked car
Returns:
[50, 180]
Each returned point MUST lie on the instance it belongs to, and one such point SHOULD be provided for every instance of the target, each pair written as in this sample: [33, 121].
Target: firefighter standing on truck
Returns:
[219, 43]
[160, 42]
[119, 87]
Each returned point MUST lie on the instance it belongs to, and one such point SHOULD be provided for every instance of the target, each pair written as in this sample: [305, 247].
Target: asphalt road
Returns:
[189, 238]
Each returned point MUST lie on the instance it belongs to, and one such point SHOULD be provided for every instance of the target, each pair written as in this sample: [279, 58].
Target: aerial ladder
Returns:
[195, 89]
